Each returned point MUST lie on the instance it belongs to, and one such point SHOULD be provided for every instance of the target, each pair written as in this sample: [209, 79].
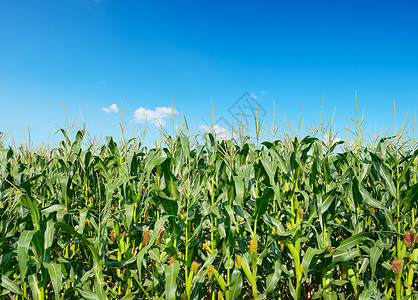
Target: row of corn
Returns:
[214, 220]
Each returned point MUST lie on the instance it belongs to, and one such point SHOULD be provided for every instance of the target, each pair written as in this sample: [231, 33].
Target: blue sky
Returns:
[86, 55]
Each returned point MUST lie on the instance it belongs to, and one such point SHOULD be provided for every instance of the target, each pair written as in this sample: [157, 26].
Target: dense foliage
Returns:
[215, 220]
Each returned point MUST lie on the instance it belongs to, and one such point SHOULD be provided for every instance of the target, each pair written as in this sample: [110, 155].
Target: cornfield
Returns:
[301, 219]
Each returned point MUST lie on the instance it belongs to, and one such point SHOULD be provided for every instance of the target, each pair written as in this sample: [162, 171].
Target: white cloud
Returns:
[263, 92]
[112, 108]
[156, 116]
[218, 131]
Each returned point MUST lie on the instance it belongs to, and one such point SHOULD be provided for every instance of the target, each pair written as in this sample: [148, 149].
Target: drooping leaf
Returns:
[307, 258]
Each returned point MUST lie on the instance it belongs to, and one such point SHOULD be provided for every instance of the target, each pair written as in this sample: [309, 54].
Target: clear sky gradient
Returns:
[86, 55]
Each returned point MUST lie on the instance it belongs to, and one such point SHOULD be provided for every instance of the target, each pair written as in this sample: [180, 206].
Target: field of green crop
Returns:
[300, 219]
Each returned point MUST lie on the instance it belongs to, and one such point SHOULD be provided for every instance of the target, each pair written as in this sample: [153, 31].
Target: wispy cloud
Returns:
[111, 109]
[156, 116]
[218, 131]
[263, 92]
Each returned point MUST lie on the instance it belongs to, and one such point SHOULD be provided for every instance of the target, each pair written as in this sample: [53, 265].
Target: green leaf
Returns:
[120, 263]
[411, 160]
[140, 259]
[199, 277]
[339, 282]
[219, 279]
[230, 214]
[247, 272]
[34, 211]
[170, 206]
[49, 234]
[184, 141]
[171, 273]
[326, 170]
[82, 220]
[326, 204]
[282, 164]
[10, 285]
[33, 284]
[369, 200]
[410, 198]
[261, 203]
[99, 290]
[389, 219]
[364, 265]
[358, 199]
[157, 227]
[88, 295]
[129, 214]
[273, 279]
[22, 252]
[307, 258]
[385, 173]
[353, 241]
[239, 189]
[270, 170]
[53, 208]
[340, 255]
[235, 286]
[86, 243]
[154, 254]
[55, 274]
[154, 160]
[375, 254]
[38, 243]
